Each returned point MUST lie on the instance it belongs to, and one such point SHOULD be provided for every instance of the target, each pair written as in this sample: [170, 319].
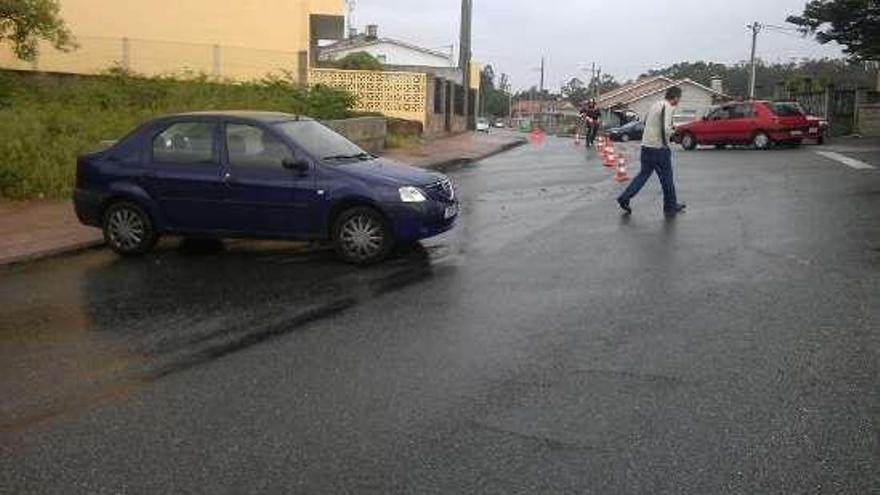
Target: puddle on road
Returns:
[109, 328]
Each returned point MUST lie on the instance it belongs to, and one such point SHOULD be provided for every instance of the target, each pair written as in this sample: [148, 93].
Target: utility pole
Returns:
[597, 90]
[592, 78]
[464, 58]
[756, 28]
[350, 18]
[541, 87]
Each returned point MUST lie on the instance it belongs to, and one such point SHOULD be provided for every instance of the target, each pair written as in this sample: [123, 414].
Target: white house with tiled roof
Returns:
[388, 51]
[638, 96]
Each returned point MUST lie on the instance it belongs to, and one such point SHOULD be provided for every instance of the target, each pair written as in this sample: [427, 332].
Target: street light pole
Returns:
[756, 28]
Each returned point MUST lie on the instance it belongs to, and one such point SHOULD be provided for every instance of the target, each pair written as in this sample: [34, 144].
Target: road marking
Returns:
[849, 162]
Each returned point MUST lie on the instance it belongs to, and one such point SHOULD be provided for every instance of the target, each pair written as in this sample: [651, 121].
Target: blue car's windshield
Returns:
[321, 142]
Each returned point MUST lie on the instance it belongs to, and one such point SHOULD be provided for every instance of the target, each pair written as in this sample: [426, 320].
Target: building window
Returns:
[438, 95]
[459, 99]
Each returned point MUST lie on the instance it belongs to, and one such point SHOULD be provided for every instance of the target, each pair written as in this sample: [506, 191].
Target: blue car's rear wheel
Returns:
[128, 229]
[362, 236]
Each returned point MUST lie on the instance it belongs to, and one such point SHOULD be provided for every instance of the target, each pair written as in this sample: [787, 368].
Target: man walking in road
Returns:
[656, 155]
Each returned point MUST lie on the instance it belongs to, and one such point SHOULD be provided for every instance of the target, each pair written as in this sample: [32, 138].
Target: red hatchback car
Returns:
[757, 123]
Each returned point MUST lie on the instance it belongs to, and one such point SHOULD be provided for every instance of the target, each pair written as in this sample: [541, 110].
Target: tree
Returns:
[504, 83]
[855, 24]
[605, 84]
[804, 75]
[359, 61]
[534, 93]
[24, 23]
[575, 91]
[495, 101]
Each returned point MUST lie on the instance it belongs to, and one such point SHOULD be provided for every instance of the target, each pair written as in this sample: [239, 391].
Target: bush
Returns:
[43, 127]
[5, 91]
[359, 61]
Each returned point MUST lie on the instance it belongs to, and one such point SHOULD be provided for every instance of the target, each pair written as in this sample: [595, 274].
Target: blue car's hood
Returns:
[389, 172]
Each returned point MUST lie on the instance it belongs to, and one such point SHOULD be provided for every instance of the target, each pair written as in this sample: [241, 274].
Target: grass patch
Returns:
[395, 141]
[45, 122]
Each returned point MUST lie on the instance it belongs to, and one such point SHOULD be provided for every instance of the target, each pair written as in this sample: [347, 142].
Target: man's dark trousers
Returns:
[655, 160]
[592, 131]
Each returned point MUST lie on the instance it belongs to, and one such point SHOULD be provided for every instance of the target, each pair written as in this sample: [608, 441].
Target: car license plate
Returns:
[797, 133]
[814, 130]
[451, 211]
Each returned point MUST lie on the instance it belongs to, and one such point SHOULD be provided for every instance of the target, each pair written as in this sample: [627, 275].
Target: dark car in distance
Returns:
[257, 175]
[760, 124]
[631, 131]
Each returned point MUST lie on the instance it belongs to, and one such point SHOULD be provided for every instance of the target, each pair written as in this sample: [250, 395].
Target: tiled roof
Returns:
[361, 41]
[634, 91]
[645, 87]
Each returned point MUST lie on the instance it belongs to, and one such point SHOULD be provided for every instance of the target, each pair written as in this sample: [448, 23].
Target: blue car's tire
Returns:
[128, 229]
[361, 235]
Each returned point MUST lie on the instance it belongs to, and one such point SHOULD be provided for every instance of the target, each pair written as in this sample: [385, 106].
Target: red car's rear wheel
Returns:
[689, 141]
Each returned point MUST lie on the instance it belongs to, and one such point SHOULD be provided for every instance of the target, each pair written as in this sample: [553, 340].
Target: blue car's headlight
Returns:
[409, 194]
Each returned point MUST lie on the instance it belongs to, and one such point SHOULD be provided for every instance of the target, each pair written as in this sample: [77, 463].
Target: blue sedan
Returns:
[257, 175]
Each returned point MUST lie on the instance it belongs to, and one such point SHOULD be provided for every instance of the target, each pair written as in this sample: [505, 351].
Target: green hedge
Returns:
[46, 121]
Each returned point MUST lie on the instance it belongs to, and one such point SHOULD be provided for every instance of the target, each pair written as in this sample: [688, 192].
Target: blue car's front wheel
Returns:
[362, 235]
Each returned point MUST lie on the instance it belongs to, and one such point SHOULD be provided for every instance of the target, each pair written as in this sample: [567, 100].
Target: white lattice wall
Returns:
[395, 94]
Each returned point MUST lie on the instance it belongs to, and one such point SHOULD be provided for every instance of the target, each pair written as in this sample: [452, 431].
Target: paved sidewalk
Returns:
[442, 154]
[38, 229]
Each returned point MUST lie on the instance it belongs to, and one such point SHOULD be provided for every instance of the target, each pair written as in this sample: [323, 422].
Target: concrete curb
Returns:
[54, 252]
[456, 163]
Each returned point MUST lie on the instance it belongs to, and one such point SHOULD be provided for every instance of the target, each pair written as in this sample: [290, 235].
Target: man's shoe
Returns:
[624, 205]
[675, 210]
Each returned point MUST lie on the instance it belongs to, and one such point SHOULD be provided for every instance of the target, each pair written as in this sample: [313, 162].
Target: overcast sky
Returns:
[626, 37]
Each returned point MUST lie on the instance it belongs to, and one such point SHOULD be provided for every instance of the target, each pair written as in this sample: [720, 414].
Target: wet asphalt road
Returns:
[546, 345]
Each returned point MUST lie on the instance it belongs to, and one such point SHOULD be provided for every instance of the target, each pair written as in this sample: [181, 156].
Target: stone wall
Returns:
[869, 119]
[435, 122]
[367, 132]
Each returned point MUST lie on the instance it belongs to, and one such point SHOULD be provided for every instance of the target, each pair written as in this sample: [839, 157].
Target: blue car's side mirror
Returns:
[299, 166]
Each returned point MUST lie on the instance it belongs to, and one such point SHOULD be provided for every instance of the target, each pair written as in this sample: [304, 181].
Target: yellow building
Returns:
[244, 39]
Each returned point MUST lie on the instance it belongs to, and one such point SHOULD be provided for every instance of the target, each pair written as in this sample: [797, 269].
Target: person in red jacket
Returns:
[592, 118]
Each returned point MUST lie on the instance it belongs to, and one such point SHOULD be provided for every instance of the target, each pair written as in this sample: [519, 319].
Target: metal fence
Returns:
[155, 57]
[837, 106]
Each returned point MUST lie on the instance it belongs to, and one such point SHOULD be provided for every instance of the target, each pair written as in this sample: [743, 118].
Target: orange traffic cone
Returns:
[610, 159]
[537, 137]
[621, 175]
